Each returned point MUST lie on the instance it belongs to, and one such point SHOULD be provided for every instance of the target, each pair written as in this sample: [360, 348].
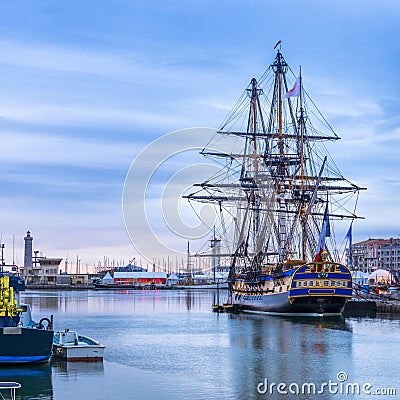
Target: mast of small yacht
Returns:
[189, 264]
[215, 254]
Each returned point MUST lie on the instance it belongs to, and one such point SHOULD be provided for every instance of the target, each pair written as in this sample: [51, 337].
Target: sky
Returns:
[85, 87]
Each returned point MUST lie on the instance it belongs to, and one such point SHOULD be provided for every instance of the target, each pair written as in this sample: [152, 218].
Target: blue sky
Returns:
[85, 86]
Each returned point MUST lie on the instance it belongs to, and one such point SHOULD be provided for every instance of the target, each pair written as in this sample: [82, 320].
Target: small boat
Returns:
[73, 347]
[22, 340]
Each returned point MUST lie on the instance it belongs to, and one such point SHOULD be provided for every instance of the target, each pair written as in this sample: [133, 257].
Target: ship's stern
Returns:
[320, 288]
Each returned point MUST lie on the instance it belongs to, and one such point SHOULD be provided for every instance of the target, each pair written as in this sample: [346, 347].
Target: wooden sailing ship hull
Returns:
[312, 289]
[280, 304]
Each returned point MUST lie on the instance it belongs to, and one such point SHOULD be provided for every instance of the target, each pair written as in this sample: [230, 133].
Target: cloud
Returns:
[34, 149]
[80, 97]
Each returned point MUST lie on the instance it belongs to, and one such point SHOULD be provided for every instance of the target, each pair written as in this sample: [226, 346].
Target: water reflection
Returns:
[160, 337]
[35, 380]
[284, 349]
[334, 322]
[72, 369]
[118, 301]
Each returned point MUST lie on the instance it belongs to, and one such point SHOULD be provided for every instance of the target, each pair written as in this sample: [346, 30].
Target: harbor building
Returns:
[365, 255]
[38, 270]
[44, 271]
[389, 254]
[373, 254]
[140, 278]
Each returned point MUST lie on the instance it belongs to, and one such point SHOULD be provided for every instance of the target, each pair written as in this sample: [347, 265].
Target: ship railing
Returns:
[11, 386]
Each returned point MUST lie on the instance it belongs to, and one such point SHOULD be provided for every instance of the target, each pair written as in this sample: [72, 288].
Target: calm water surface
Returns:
[169, 345]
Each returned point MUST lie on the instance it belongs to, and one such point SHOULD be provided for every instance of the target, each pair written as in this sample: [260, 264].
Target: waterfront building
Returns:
[44, 271]
[38, 270]
[140, 278]
[365, 255]
[372, 254]
[389, 254]
[79, 279]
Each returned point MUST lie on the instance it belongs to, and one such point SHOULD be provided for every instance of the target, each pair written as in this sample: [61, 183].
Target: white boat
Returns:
[73, 347]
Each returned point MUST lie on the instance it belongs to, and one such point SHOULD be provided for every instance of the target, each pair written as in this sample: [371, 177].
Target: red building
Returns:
[140, 278]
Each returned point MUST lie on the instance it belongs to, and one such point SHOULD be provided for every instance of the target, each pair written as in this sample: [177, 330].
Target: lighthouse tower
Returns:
[28, 251]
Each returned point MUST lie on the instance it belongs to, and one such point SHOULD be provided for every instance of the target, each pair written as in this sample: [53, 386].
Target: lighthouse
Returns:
[28, 251]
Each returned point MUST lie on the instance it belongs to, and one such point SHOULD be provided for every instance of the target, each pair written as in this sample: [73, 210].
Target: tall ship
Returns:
[22, 340]
[278, 197]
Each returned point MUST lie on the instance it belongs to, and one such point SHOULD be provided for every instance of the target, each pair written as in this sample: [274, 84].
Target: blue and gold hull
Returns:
[19, 345]
[22, 340]
[311, 289]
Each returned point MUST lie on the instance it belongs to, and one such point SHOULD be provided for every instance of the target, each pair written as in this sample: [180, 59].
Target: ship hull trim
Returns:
[21, 345]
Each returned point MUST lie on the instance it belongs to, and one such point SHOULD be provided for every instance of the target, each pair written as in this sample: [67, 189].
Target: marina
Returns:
[172, 336]
[199, 200]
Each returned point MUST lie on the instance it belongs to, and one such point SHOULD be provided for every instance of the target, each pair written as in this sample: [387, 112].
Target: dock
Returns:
[371, 304]
[226, 308]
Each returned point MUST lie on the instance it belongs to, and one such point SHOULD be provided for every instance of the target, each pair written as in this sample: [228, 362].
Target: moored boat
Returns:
[280, 194]
[311, 289]
[70, 346]
[22, 340]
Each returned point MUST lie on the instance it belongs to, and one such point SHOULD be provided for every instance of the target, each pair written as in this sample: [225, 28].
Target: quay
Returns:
[59, 287]
[368, 303]
[371, 307]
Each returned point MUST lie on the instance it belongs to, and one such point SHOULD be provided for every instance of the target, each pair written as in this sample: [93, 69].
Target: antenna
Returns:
[13, 250]
[277, 44]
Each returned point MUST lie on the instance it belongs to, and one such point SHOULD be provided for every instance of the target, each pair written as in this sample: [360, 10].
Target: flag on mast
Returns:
[349, 237]
[294, 91]
[325, 232]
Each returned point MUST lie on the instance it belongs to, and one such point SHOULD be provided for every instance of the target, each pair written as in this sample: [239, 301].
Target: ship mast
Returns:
[254, 194]
[279, 68]
[254, 95]
[302, 184]
[276, 182]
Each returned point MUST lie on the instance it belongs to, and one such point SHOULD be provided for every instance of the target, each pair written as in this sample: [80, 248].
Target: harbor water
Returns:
[167, 344]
